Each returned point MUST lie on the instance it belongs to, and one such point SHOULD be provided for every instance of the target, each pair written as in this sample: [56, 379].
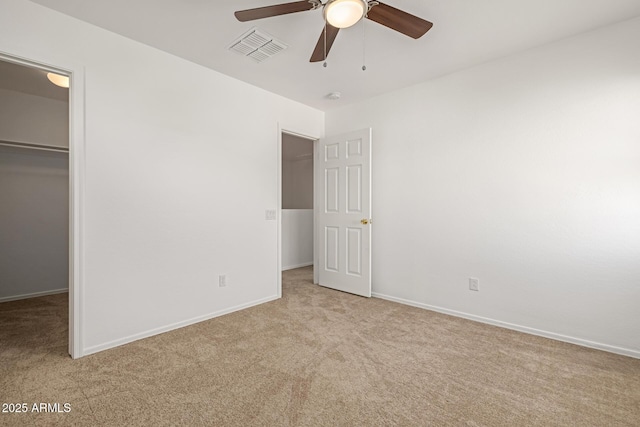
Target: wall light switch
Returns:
[270, 214]
[474, 284]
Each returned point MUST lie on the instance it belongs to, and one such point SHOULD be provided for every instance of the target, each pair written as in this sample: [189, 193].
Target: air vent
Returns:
[257, 45]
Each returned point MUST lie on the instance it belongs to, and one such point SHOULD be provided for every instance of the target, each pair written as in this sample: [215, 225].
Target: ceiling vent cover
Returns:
[257, 45]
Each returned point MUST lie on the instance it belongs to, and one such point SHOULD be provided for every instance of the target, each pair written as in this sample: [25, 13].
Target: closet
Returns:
[34, 184]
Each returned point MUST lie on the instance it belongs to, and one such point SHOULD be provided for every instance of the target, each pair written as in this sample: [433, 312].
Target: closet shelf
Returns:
[31, 146]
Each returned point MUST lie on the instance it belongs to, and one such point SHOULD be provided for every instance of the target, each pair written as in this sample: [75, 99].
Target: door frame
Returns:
[75, 72]
[290, 131]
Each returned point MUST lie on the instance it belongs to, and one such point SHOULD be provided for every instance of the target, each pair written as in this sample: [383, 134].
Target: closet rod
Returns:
[34, 146]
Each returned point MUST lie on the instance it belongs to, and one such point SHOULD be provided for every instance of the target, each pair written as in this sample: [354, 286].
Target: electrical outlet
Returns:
[270, 214]
[474, 284]
[222, 280]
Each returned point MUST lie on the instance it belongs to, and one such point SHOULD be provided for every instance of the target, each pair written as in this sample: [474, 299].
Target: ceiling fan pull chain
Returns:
[370, 4]
[364, 67]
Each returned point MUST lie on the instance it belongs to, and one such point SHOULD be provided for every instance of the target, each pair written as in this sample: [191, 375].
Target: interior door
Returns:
[344, 212]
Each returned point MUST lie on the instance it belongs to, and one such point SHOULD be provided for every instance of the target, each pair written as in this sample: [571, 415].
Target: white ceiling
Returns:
[465, 33]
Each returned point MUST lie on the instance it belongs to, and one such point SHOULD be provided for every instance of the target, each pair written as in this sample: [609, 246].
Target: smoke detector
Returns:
[334, 96]
[257, 45]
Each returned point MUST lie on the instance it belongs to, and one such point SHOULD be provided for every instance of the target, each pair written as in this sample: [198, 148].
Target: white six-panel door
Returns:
[344, 212]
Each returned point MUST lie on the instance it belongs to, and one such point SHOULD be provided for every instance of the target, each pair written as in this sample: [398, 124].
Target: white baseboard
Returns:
[116, 343]
[291, 267]
[519, 328]
[33, 295]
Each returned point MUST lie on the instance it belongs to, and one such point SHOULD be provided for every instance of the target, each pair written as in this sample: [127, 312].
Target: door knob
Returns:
[365, 221]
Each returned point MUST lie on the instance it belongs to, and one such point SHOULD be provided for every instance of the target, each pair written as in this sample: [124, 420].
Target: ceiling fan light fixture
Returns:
[58, 80]
[345, 13]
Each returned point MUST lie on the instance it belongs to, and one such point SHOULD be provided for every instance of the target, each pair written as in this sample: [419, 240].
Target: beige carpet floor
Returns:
[316, 357]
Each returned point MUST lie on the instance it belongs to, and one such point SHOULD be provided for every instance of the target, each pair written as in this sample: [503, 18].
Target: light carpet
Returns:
[316, 357]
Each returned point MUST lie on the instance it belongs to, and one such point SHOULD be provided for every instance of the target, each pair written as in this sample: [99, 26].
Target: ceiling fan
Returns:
[343, 14]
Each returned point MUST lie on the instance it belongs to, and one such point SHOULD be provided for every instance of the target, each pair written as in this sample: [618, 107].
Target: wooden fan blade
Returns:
[319, 52]
[275, 10]
[399, 20]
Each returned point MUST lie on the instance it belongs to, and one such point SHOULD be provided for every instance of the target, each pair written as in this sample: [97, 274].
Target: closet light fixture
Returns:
[345, 13]
[58, 80]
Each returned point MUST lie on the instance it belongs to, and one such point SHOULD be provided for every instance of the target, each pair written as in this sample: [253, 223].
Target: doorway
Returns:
[341, 209]
[296, 201]
[39, 192]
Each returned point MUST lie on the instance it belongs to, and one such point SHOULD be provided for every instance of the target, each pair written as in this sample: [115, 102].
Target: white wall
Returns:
[297, 238]
[34, 223]
[33, 119]
[176, 183]
[523, 172]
